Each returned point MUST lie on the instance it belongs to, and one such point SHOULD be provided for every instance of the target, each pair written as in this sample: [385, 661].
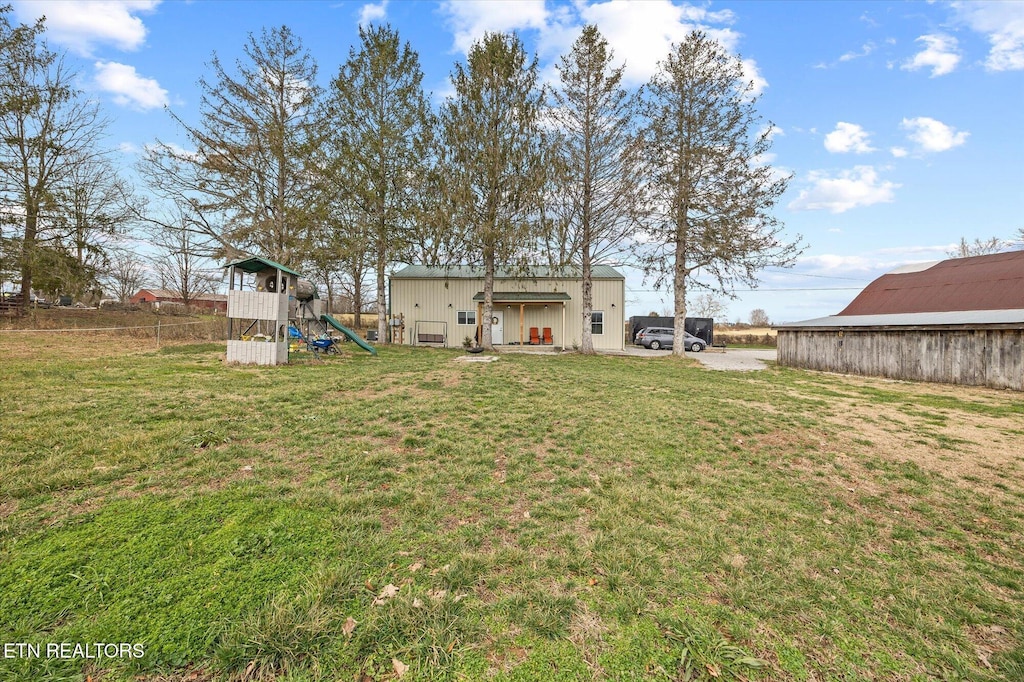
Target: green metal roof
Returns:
[526, 296]
[531, 272]
[255, 264]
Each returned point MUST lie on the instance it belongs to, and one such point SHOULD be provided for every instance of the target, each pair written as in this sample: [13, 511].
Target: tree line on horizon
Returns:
[349, 179]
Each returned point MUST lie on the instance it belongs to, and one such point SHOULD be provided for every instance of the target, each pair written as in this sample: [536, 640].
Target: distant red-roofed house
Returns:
[155, 297]
[958, 321]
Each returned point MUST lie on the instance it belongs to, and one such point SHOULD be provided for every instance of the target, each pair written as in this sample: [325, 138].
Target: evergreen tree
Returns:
[48, 129]
[245, 187]
[713, 192]
[380, 124]
[493, 167]
[598, 187]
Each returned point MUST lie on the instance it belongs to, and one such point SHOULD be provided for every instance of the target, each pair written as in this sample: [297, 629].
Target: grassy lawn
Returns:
[536, 518]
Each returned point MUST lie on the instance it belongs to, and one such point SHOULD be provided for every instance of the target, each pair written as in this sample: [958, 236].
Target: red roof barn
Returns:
[958, 321]
[154, 297]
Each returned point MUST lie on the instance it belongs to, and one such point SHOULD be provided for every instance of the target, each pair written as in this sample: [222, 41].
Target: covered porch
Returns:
[519, 326]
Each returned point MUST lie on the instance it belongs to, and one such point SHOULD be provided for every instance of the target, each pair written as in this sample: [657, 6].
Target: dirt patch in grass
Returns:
[964, 447]
[80, 346]
[954, 441]
[7, 508]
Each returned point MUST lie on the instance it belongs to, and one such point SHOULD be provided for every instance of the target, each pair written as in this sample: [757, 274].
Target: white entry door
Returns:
[498, 327]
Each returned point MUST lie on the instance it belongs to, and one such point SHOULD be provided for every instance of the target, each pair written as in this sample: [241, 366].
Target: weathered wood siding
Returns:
[976, 357]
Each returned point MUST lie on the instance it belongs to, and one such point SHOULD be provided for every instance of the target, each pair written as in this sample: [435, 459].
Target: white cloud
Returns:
[940, 54]
[128, 87]
[176, 150]
[865, 50]
[836, 264]
[853, 188]
[469, 20]
[871, 263]
[373, 12]
[750, 73]
[640, 33]
[128, 149]
[80, 26]
[931, 135]
[848, 137]
[898, 152]
[1003, 25]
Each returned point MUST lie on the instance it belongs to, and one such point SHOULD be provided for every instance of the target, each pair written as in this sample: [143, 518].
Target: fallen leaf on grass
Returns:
[400, 668]
[713, 670]
[388, 592]
[415, 567]
[417, 603]
[349, 627]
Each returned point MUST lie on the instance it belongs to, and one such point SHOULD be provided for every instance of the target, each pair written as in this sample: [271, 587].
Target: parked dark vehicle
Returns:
[656, 338]
[701, 327]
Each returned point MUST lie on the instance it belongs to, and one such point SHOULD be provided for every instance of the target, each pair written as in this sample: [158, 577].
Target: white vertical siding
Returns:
[439, 301]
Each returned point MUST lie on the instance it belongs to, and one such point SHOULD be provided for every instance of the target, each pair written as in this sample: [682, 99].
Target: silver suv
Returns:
[662, 337]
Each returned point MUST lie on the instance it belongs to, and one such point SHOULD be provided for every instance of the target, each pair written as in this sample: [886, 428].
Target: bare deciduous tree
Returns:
[125, 274]
[759, 318]
[979, 247]
[181, 262]
[706, 304]
[713, 192]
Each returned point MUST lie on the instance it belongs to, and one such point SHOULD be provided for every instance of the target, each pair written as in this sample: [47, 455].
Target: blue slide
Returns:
[349, 333]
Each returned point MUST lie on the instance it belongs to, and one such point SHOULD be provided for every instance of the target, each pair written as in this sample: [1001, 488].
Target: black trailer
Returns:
[701, 327]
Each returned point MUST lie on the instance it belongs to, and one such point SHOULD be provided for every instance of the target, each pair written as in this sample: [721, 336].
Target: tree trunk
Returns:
[28, 254]
[679, 288]
[382, 303]
[488, 312]
[587, 346]
[357, 300]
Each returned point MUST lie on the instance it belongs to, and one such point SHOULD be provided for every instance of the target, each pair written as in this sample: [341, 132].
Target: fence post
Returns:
[158, 332]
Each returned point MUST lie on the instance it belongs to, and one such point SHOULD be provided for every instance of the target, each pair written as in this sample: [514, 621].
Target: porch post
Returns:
[479, 323]
[522, 318]
[563, 325]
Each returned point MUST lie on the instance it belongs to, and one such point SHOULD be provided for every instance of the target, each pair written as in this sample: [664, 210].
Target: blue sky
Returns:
[901, 122]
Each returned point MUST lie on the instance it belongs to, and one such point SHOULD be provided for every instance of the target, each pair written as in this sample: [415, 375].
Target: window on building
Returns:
[467, 317]
[597, 322]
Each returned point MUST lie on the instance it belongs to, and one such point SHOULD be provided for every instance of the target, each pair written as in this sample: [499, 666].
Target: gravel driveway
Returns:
[736, 359]
[740, 359]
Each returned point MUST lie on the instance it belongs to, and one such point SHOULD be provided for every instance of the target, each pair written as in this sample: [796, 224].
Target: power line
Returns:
[807, 274]
[661, 291]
